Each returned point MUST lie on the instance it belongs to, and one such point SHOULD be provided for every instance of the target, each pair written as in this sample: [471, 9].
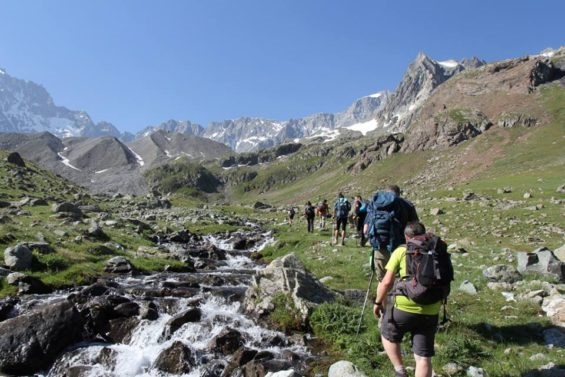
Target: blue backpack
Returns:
[384, 227]
[342, 208]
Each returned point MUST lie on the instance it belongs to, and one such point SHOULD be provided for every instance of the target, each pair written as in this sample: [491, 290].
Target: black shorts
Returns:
[341, 221]
[422, 329]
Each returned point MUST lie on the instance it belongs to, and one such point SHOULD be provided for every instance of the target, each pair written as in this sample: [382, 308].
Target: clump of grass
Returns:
[285, 315]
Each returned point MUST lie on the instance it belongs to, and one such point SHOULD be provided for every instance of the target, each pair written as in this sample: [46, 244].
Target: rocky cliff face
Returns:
[422, 77]
[26, 107]
[504, 94]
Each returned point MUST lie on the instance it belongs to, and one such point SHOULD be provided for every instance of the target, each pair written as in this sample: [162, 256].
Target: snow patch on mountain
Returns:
[139, 159]
[364, 127]
[66, 162]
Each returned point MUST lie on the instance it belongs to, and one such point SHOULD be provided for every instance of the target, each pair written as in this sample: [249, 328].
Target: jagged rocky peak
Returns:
[27, 107]
[175, 126]
[423, 75]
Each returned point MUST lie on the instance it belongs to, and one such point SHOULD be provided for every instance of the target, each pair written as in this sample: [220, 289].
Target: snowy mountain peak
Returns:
[27, 107]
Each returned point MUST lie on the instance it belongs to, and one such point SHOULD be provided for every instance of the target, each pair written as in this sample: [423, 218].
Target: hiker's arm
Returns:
[382, 290]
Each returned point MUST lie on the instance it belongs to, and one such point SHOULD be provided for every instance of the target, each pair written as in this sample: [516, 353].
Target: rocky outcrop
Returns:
[541, 261]
[446, 129]
[382, 148]
[16, 159]
[30, 342]
[287, 276]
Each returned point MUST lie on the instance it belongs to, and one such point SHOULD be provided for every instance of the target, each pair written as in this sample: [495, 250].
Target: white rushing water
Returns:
[137, 356]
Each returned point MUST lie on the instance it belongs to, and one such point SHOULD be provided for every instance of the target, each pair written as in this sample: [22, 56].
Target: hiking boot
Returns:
[342, 242]
[334, 241]
[400, 374]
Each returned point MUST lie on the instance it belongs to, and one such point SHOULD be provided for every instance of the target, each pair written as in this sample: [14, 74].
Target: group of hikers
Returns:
[412, 267]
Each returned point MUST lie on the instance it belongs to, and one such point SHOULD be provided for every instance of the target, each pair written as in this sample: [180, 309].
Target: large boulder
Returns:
[18, 258]
[67, 209]
[16, 159]
[541, 261]
[30, 342]
[177, 359]
[226, 342]
[286, 275]
[27, 284]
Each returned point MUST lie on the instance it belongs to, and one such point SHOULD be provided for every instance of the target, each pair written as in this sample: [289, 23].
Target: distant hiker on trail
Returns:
[322, 211]
[387, 216]
[403, 315]
[360, 213]
[310, 215]
[290, 215]
[341, 213]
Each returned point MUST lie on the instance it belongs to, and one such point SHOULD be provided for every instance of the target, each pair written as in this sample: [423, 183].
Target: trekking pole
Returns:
[372, 263]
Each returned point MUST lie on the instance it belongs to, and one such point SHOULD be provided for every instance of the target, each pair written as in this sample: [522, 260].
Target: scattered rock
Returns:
[344, 368]
[118, 265]
[527, 195]
[95, 232]
[226, 342]
[27, 284]
[436, 211]
[452, 369]
[470, 196]
[190, 315]
[502, 273]
[177, 359]
[468, 288]
[455, 248]
[67, 209]
[561, 189]
[18, 258]
[476, 372]
[260, 205]
[554, 307]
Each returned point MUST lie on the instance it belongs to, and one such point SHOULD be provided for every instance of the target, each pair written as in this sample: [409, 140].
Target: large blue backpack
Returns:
[342, 207]
[384, 227]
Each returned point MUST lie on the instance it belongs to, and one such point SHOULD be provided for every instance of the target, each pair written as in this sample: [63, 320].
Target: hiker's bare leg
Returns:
[393, 352]
[423, 366]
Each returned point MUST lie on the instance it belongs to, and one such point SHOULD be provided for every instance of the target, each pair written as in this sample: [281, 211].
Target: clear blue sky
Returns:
[138, 62]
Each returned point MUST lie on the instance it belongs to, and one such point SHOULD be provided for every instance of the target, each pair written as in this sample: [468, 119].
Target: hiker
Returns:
[387, 216]
[400, 315]
[408, 210]
[360, 213]
[322, 213]
[309, 214]
[290, 215]
[341, 213]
